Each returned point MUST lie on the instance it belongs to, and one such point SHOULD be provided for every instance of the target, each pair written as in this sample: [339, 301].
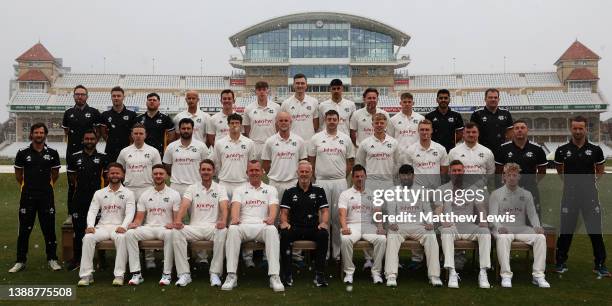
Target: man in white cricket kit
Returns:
[231, 155]
[331, 154]
[217, 125]
[259, 118]
[138, 160]
[183, 156]
[417, 228]
[361, 119]
[116, 204]
[344, 107]
[155, 208]
[403, 126]
[281, 154]
[465, 230]
[356, 209]
[428, 158]
[253, 212]
[303, 108]
[477, 159]
[193, 112]
[512, 200]
[379, 154]
[207, 204]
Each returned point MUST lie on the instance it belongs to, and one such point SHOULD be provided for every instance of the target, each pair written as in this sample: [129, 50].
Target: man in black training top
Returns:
[447, 124]
[494, 122]
[157, 125]
[116, 125]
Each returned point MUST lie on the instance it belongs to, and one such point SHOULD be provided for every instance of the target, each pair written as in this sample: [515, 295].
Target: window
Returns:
[579, 86]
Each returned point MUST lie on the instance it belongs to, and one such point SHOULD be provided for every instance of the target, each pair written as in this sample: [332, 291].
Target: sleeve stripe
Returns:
[544, 164]
[601, 162]
[58, 166]
[324, 206]
[285, 206]
[558, 163]
[498, 163]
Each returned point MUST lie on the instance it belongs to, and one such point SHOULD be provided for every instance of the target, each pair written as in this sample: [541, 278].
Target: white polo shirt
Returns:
[217, 125]
[231, 158]
[331, 153]
[185, 161]
[361, 121]
[426, 162]
[254, 202]
[302, 114]
[345, 109]
[358, 205]
[405, 129]
[284, 156]
[116, 207]
[476, 160]
[200, 121]
[413, 207]
[261, 120]
[380, 158]
[159, 205]
[204, 209]
[138, 164]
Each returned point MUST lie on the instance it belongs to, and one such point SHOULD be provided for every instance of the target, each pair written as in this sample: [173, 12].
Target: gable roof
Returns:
[578, 51]
[38, 52]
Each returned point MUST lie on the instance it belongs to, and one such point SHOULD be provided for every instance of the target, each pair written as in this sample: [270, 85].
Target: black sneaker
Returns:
[561, 268]
[320, 280]
[287, 280]
[601, 271]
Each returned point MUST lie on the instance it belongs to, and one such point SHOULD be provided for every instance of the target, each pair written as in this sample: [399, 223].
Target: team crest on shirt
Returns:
[312, 196]
[271, 111]
[389, 145]
[501, 117]
[415, 121]
[451, 119]
[243, 146]
[435, 153]
[481, 155]
[158, 121]
[588, 152]
[510, 154]
[199, 120]
[341, 141]
[529, 154]
[126, 118]
[214, 195]
[484, 119]
[48, 157]
[29, 158]
[147, 155]
[96, 160]
[308, 107]
[346, 109]
[522, 198]
[294, 143]
[295, 198]
[265, 191]
[87, 115]
[568, 154]
[194, 149]
[166, 199]
[110, 119]
[79, 162]
[121, 196]
[130, 155]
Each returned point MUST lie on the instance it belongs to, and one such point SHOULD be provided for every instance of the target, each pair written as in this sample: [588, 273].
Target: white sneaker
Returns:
[215, 281]
[276, 284]
[165, 280]
[392, 281]
[506, 282]
[150, 264]
[435, 281]
[184, 280]
[540, 282]
[249, 263]
[54, 265]
[17, 267]
[231, 281]
[136, 280]
[367, 264]
[376, 279]
[118, 281]
[85, 281]
[453, 280]
[348, 279]
[483, 280]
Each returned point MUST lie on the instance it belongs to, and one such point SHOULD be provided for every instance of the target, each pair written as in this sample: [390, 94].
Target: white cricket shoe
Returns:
[136, 280]
[215, 281]
[506, 282]
[85, 281]
[231, 281]
[348, 279]
[165, 280]
[184, 280]
[392, 281]
[540, 282]
[54, 265]
[435, 281]
[17, 267]
[276, 284]
[118, 281]
[483, 280]
[376, 279]
[453, 280]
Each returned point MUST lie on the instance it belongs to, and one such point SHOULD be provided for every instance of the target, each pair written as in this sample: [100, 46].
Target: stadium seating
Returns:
[560, 98]
[433, 82]
[133, 81]
[30, 98]
[206, 82]
[543, 79]
[70, 80]
[498, 80]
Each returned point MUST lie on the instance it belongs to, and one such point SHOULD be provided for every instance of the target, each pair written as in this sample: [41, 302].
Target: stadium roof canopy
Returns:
[399, 38]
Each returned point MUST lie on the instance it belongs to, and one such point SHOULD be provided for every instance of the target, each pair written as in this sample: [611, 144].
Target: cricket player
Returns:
[303, 108]
[356, 209]
[217, 125]
[207, 205]
[193, 112]
[515, 204]
[416, 228]
[156, 208]
[259, 118]
[331, 155]
[253, 212]
[478, 160]
[404, 126]
[116, 206]
[361, 119]
[474, 231]
[428, 158]
[342, 106]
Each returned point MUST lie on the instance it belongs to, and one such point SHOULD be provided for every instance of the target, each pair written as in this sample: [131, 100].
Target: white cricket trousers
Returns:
[413, 232]
[195, 233]
[471, 232]
[362, 233]
[149, 233]
[536, 241]
[333, 189]
[103, 232]
[236, 234]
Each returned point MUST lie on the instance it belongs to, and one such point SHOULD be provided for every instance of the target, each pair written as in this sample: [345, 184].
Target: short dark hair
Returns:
[491, 90]
[442, 92]
[115, 165]
[406, 169]
[299, 76]
[579, 118]
[139, 125]
[153, 95]
[406, 95]
[520, 121]
[39, 125]
[471, 125]
[81, 87]
[359, 167]
[455, 163]
[185, 121]
[207, 161]
[234, 116]
[335, 82]
[228, 91]
[368, 90]
[261, 85]
[158, 166]
[426, 121]
[332, 112]
[90, 131]
[118, 88]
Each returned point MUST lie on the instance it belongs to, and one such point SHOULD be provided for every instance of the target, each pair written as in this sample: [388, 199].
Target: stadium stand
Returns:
[433, 82]
[500, 80]
[543, 79]
[133, 81]
[70, 80]
[206, 82]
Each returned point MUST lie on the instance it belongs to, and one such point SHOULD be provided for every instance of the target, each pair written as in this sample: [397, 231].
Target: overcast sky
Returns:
[178, 34]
